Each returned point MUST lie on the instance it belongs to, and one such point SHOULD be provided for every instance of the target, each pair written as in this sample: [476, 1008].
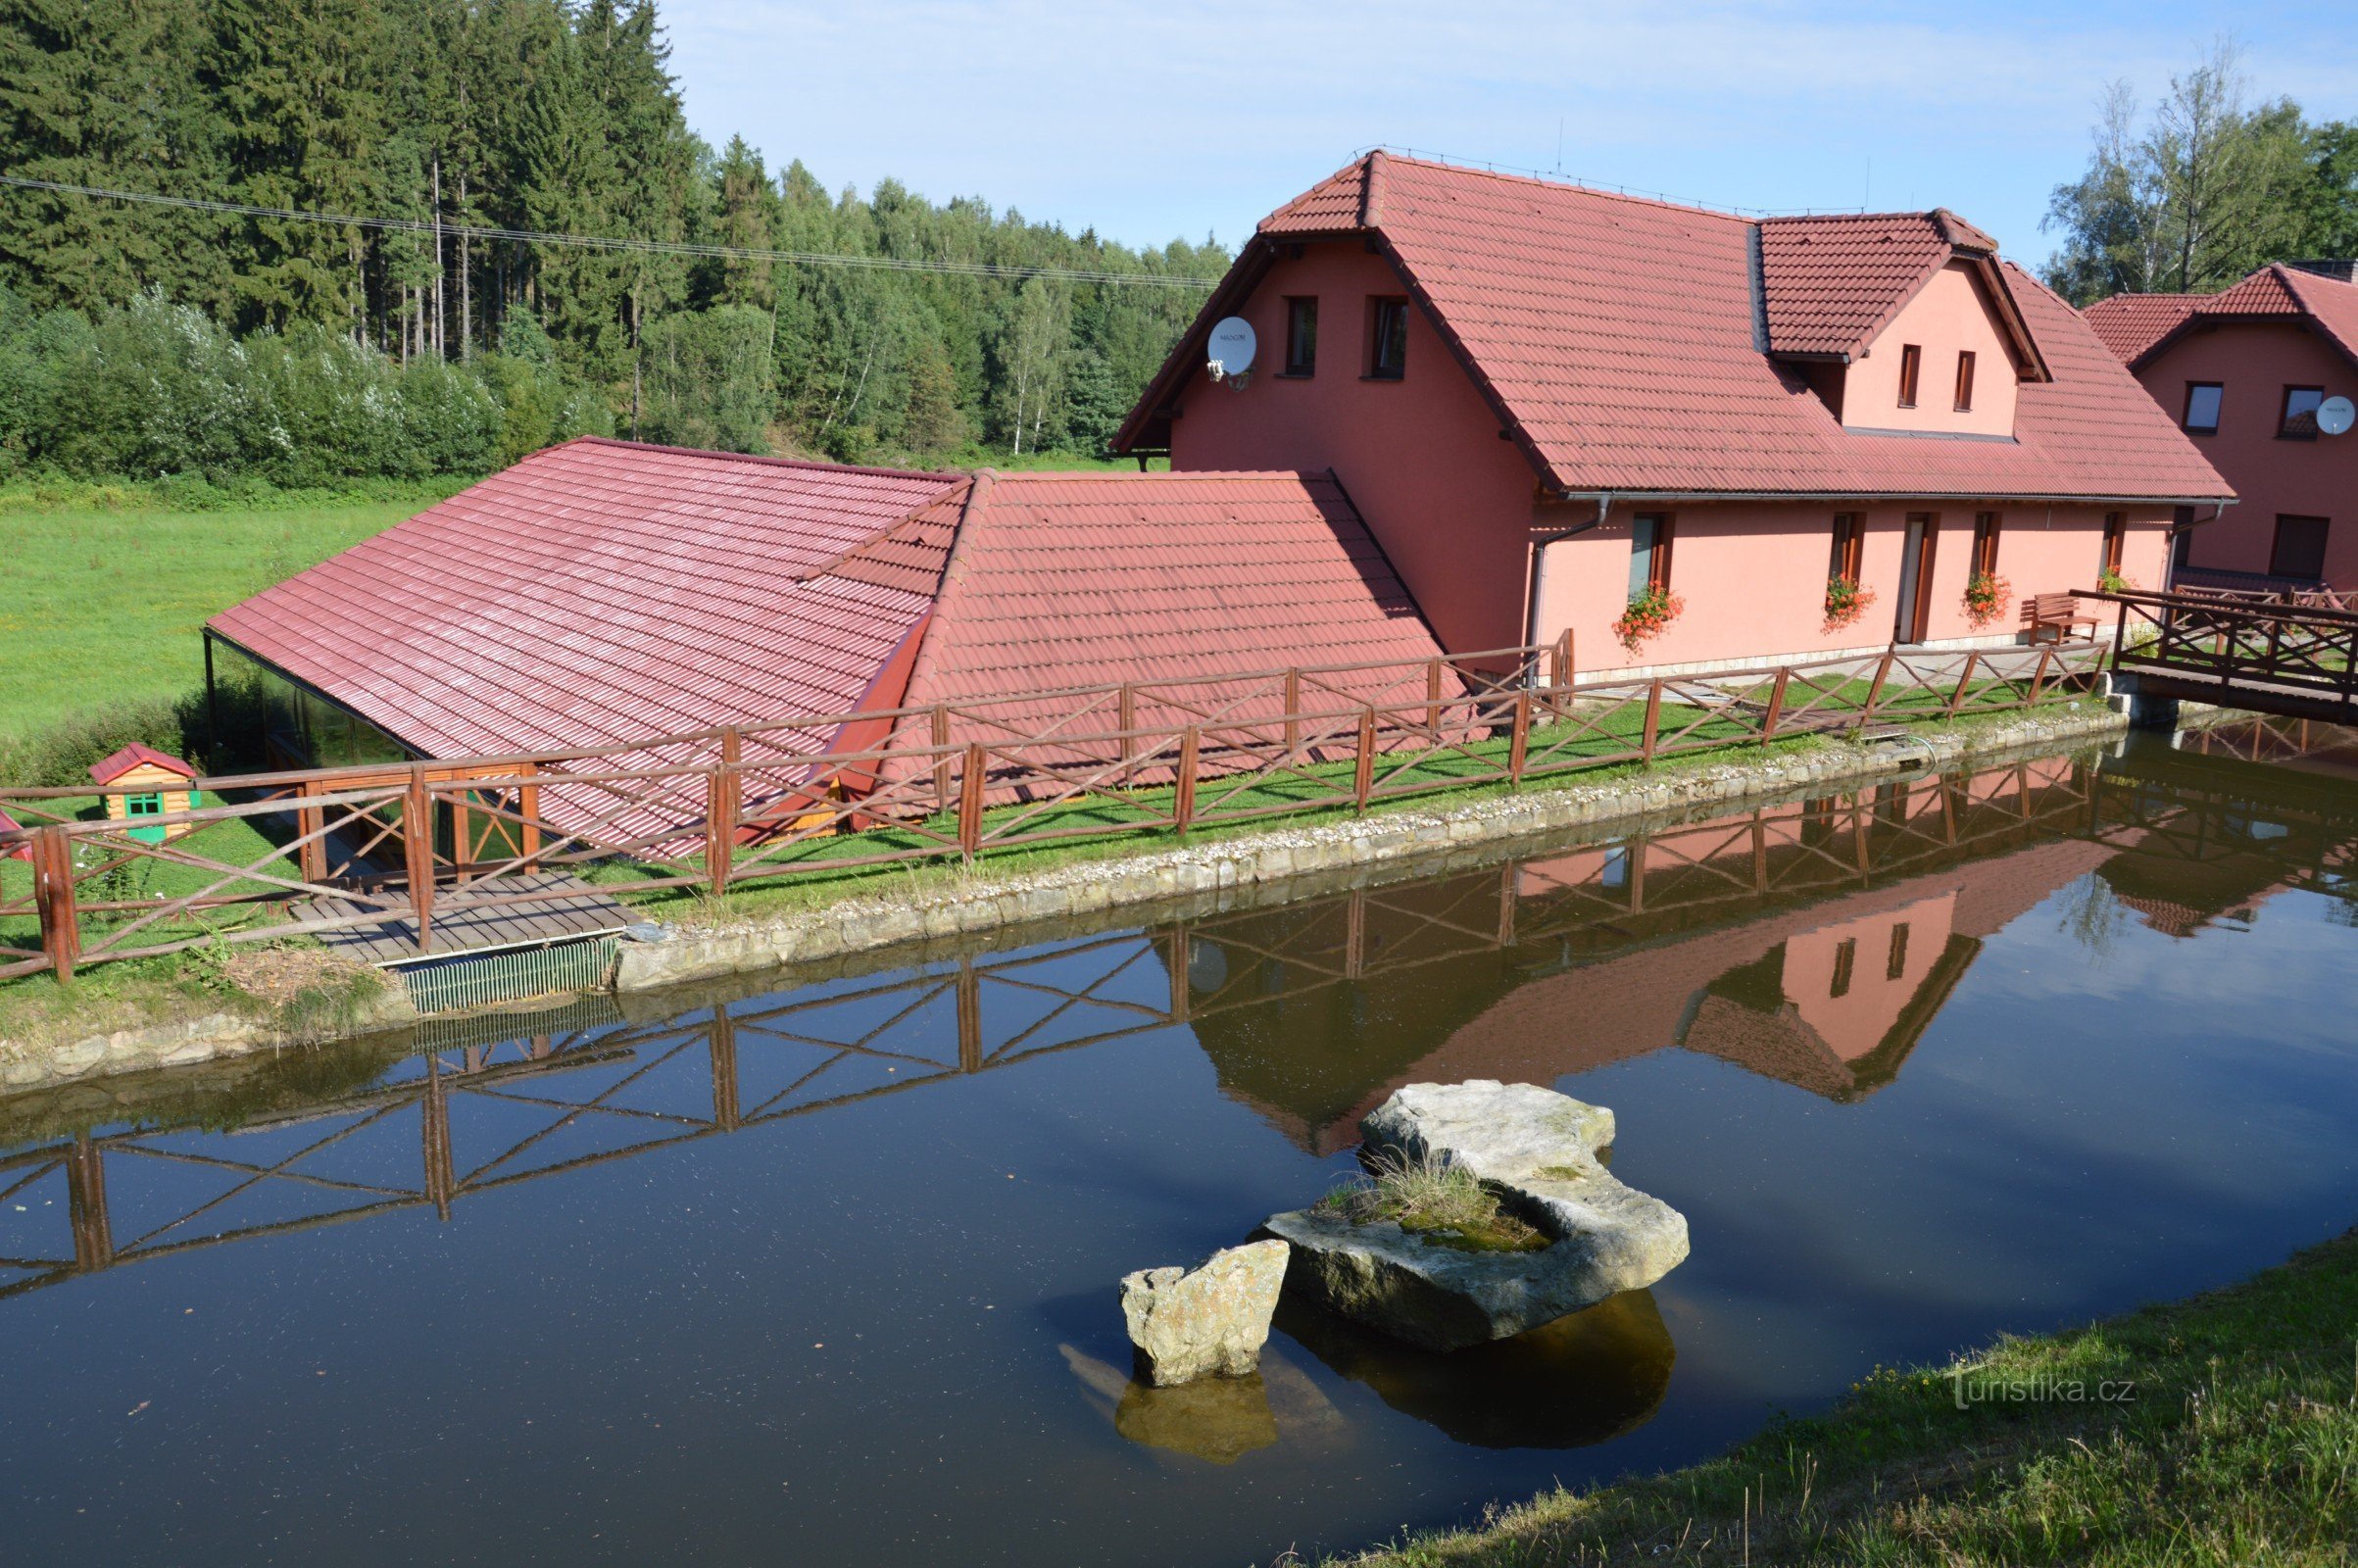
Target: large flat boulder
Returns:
[1537, 1152]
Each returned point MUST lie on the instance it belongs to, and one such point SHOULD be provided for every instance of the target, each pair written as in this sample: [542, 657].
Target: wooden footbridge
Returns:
[2262, 655]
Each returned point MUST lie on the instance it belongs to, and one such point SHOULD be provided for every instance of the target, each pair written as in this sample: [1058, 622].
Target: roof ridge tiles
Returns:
[765, 459]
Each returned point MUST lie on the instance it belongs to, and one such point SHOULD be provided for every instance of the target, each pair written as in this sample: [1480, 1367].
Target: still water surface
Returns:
[825, 1274]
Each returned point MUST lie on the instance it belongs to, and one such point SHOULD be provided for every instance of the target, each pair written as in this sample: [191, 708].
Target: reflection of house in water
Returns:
[1810, 944]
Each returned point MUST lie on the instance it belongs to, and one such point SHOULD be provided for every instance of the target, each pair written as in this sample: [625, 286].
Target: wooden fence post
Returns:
[1883, 672]
[726, 788]
[1653, 717]
[1125, 719]
[417, 847]
[941, 761]
[1432, 697]
[1561, 674]
[309, 820]
[2039, 679]
[1293, 712]
[1363, 772]
[527, 805]
[970, 799]
[1183, 798]
[1775, 704]
[1957, 699]
[54, 898]
[1519, 748]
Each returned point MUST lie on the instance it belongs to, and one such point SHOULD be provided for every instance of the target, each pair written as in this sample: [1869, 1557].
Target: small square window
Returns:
[2300, 412]
[1911, 364]
[1965, 381]
[1387, 347]
[1845, 960]
[2300, 548]
[1301, 336]
[2202, 406]
[1896, 962]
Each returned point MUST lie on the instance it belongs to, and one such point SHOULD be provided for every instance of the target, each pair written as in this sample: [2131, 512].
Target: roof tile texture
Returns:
[1066, 579]
[598, 593]
[2132, 325]
[1619, 334]
[1832, 282]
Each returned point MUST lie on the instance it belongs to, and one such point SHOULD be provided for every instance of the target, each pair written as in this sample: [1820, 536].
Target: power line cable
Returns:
[659, 247]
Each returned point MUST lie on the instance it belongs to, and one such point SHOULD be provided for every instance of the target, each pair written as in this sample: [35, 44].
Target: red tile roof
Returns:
[1829, 284]
[602, 592]
[2135, 325]
[1066, 579]
[107, 769]
[1620, 342]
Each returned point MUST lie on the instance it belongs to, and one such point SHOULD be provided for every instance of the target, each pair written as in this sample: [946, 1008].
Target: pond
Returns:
[823, 1269]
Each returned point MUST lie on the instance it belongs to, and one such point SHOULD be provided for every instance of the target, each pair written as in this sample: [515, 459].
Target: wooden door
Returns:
[1912, 617]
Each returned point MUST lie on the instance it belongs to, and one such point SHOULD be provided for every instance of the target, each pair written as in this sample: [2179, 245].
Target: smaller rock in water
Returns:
[1207, 1321]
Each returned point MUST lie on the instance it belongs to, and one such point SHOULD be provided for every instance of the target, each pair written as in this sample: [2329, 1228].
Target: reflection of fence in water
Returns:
[599, 1093]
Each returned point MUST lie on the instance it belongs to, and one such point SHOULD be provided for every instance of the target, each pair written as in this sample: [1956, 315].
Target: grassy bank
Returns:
[106, 598]
[2221, 1430]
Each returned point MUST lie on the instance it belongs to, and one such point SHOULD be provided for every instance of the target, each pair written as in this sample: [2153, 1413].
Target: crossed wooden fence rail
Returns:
[830, 793]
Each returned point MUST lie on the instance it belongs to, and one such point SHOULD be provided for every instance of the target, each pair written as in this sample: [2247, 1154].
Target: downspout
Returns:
[1539, 571]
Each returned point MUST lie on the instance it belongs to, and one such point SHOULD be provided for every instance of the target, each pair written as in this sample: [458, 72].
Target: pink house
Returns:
[1544, 400]
[2244, 372]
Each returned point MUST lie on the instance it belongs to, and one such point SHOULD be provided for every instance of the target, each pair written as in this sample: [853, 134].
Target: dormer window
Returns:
[1911, 366]
[1965, 381]
[1388, 341]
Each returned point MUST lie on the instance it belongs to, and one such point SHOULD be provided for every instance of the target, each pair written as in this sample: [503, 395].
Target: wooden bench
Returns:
[2054, 614]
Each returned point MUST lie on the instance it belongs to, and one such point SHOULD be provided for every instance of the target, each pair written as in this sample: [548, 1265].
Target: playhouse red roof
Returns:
[602, 592]
[1627, 346]
[2135, 325]
[107, 770]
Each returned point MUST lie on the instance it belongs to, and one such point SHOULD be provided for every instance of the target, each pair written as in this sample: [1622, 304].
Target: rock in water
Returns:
[1207, 1321]
[1536, 1151]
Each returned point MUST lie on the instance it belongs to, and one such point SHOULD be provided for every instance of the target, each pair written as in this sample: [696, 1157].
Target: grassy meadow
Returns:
[102, 605]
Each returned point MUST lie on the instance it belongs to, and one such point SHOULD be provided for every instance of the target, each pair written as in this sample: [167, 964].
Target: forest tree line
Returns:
[2202, 188]
[142, 340]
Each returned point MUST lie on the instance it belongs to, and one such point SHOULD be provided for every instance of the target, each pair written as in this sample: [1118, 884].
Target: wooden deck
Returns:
[580, 910]
[2292, 660]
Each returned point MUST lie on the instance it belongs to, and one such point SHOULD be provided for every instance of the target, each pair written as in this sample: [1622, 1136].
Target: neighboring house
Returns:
[1545, 399]
[604, 593]
[2243, 372]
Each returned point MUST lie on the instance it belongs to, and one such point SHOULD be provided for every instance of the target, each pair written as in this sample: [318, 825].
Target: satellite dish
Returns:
[1231, 348]
[2335, 415]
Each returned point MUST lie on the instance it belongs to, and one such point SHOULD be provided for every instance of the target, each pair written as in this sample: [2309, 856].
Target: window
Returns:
[1965, 381]
[1895, 965]
[1911, 360]
[1850, 541]
[1984, 546]
[1301, 336]
[2300, 548]
[144, 805]
[1387, 344]
[1648, 553]
[2300, 412]
[1845, 959]
[2116, 530]
[2202, 406]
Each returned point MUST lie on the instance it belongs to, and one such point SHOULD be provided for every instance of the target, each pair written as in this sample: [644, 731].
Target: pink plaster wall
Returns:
[1855, 1023]
[1753, 576]
[2254, 361]
[1421, 456]
[1949, 315]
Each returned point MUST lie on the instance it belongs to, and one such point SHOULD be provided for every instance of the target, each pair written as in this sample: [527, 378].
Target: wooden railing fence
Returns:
[297, 853]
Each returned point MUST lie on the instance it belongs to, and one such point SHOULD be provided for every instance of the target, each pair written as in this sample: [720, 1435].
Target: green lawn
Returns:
[100, 606]
[137, 878]
[2219, 1430]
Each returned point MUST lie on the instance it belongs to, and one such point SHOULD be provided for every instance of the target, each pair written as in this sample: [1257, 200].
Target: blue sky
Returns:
[1155, 120]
